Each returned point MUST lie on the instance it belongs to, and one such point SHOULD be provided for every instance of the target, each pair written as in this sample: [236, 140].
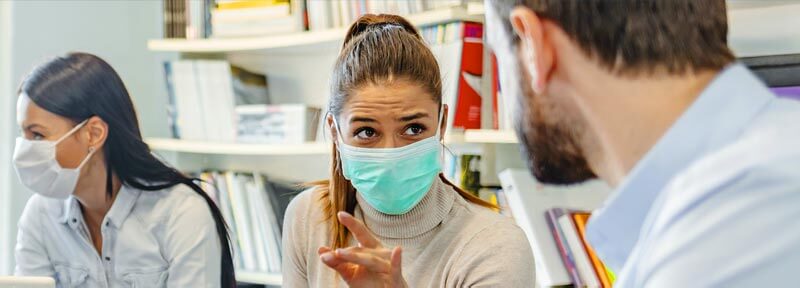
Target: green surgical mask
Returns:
[392, 180]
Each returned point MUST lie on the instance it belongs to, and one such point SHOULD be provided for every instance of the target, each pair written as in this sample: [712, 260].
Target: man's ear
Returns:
[96, 132]
[536, 48]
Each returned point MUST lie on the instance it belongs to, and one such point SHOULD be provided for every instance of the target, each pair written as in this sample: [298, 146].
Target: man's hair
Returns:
[638, 36]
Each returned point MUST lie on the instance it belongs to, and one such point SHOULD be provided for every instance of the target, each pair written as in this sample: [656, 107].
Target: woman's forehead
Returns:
[28, 113]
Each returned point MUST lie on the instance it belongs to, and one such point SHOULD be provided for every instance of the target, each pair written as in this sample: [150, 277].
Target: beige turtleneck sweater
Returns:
[447, 242]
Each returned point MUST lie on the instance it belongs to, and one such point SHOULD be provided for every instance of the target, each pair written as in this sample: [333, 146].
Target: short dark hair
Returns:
[638, 36]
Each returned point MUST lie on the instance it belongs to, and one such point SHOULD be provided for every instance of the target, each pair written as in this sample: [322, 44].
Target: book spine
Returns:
[172, 110]
[566, 256]
[468, 105]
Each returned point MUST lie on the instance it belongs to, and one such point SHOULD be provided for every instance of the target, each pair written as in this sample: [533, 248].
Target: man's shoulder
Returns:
[765, 157]
[733, 211]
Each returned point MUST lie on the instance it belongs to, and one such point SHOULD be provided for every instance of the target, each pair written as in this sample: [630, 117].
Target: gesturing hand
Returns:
[369, 264]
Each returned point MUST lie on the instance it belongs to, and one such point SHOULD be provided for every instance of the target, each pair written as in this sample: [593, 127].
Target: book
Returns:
[529, 201]
[253, 208]
[216, 95]
[581, 218]
[583, 264]
[185, 113]
[277, 124]
[203, 95]
[787, 92]
[241, 215]
[458, 47]
[272, 233]
[567, 256]
[470, 173]
[320, 15]
[261, 232]
[248, 4]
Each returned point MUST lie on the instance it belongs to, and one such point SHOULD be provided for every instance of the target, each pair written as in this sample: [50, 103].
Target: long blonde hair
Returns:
[377, 49]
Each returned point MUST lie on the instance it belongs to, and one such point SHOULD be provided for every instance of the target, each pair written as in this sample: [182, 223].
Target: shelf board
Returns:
[260, 278]
[201, 147]
[219, 45]
[310, 148]
[489, 136]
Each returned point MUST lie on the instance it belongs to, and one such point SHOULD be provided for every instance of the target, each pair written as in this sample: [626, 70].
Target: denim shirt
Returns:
[715, 202]
[164, 238]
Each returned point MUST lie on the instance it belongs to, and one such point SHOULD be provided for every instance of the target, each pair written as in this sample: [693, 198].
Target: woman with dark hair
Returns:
[107, 212]
[386, 189]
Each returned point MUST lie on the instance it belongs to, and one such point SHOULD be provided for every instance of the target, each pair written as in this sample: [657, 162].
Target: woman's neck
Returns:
[91, 192]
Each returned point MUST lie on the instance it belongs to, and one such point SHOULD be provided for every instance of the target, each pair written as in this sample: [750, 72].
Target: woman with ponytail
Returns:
[107, 212]
[387, 217]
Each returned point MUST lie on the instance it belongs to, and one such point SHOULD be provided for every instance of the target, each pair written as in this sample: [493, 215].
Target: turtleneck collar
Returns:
[428, 214]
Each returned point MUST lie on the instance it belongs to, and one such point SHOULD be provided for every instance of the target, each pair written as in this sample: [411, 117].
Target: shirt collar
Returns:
[717, 117]
[120, 210]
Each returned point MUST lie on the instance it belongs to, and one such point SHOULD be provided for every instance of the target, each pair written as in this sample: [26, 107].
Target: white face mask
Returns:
[38, 169]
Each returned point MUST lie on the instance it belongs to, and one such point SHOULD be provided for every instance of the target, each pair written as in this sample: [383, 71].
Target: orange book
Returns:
[599, 267]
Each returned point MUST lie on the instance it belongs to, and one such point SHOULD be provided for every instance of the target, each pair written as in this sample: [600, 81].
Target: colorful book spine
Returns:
[566, 255]
[601, 271]
[468, 107]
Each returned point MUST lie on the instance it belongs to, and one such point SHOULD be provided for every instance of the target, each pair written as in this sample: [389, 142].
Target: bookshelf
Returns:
[473, 12]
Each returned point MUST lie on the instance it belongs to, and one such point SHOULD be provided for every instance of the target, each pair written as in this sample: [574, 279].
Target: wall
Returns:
[6, 116]
[33, 31]
[766, 28]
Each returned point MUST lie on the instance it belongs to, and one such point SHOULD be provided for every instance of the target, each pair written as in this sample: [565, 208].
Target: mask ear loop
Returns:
[86, 160]
[72, 131]
[438, 134]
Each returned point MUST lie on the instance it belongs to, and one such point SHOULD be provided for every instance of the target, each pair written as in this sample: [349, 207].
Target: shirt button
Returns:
[108, 223]
[108, 258]
[74, 220]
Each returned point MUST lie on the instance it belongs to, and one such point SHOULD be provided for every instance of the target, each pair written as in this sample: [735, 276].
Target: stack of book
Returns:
[210, 100]
[580, 261]
[277, 124]
[187, 18]
[327, 14]
[253, 208]
[242, 18]
[532, 203]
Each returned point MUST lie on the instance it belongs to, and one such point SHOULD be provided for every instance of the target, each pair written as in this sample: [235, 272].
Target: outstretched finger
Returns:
[359, 230]
[369, 260]
[397, 264]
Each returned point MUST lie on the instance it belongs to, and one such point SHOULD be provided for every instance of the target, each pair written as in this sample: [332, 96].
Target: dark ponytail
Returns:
[78, 86]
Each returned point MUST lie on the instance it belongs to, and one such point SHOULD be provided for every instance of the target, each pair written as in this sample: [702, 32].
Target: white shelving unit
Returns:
[488, 136]
[310, 148]
[260, 53]
[200, 147]
[259, 278]
[473, 13]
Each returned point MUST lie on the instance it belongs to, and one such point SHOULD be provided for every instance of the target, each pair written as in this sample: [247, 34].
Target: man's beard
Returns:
[549, 142]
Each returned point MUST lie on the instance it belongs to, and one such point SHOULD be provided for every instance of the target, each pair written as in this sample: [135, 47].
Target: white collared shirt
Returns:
[164, 238]
[716, 202]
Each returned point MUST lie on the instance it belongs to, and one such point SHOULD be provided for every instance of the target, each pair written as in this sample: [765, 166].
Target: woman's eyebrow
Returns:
[362, 119]
[34, 125]
[413, 117]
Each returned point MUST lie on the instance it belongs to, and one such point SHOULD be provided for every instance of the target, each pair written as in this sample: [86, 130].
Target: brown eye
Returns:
[365, 133]
[414, 130]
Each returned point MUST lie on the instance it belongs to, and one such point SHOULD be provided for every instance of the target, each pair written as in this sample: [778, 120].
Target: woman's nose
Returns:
[390, 142]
